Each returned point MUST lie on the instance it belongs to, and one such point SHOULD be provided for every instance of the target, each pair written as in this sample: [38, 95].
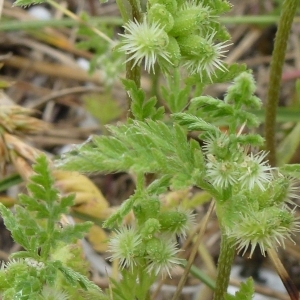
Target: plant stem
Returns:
[285, 23]
[136, 10]
[123, 10]
[259, 20]
[134, 72]
[12, 25]
[225, 260]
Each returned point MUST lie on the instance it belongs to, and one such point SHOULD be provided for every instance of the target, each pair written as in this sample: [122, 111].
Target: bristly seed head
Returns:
[145, 41]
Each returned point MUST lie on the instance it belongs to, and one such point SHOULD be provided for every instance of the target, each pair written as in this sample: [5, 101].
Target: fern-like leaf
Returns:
[34, 227]
[245, 292]
[147, 147]
[25, 3]
[195, 123]
[140, 108]
[75, 278]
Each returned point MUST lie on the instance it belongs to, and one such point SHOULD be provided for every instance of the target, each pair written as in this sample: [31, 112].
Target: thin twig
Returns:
[194, 251]
[283, 274]
[74, 90]
[80, 21]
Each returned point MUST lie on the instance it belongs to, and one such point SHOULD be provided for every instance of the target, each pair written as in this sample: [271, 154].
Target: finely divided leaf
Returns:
[246, 291]
[175, 97]
[70, 232]
[34, 225]
[195, 123]
[12, 225]
[140, 108]
[213, 106]
[28, 2]
[75, 278]
[147, 147]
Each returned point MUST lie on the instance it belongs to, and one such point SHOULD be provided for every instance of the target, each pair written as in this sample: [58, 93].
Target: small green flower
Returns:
[221, 174]
[255, 171]
[222, 147]
[145, 41]
[123, 246]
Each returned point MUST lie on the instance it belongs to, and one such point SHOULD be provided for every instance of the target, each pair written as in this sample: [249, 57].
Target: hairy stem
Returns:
[134, 72]
[225, 260]
[123, 8]
[285, 23]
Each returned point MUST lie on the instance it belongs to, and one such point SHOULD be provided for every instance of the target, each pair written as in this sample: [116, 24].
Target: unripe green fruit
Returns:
[159, 14]
[281, 190]
[150, 227]
[222, 33]
[170, 5]
[174, 56]
[174, 51]
[195, 46]
[140, 250]
[286, 219]
[147, 208]
[172, 221]
[187, 20]
[154, 248]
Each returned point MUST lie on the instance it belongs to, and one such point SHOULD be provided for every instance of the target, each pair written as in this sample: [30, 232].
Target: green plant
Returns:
[251, 197]
[50, 266]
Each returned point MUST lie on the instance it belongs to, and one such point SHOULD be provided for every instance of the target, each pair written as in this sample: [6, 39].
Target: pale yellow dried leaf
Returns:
[17, 119]
[88, 198]
[98, 238]
[21, 165]
[21, 148]
[7, 201]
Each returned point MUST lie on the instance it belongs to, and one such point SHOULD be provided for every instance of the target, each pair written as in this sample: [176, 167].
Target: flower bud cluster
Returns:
[174, 32]
[152, 239]
[228, 164]
[264, 219]
[253, 196]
